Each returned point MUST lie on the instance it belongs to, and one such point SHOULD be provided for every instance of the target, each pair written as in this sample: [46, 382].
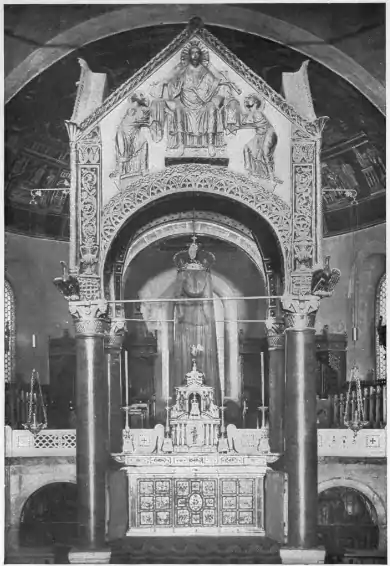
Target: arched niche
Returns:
[367, 492]
[152, 275]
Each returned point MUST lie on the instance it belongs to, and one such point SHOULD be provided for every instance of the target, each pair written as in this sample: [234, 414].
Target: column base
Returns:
[89, 556]
[302, 555]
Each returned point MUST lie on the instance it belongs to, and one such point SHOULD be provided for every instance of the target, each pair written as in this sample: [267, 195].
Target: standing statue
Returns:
[259, 151]
[194, 102]
[132, 151]
[194, 320]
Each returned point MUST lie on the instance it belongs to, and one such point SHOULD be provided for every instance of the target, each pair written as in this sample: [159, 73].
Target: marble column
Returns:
[113, 348]
[300, 421]
[276, 385]
[92, 432]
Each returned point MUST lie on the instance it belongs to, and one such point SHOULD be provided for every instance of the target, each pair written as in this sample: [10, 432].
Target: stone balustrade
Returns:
[368, 443]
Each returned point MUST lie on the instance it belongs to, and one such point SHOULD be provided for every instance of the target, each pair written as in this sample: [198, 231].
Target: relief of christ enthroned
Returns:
[195, 103]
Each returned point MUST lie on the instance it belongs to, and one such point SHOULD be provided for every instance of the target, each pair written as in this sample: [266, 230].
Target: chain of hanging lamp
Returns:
[356, 422]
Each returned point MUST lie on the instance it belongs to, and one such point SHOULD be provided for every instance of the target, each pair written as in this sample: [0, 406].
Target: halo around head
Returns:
[185, 54]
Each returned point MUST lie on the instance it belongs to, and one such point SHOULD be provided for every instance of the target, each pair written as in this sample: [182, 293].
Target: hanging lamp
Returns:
[32, 424]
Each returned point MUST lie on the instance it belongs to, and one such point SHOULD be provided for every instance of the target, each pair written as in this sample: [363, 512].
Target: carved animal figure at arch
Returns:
[67, 284]
[325, 280]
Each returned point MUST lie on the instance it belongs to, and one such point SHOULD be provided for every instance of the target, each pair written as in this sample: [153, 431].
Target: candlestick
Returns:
[33, 341]
[262, 378]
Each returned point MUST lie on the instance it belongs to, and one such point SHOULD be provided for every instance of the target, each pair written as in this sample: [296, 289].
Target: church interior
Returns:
[195, 284]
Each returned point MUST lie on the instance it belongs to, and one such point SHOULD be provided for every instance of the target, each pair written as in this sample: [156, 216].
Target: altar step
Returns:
[195, 550]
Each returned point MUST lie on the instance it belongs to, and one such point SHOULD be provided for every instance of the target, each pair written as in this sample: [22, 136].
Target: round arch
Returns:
[233, 17]
[201, 228]
[49, 515]
[203, 179]
[371, 495]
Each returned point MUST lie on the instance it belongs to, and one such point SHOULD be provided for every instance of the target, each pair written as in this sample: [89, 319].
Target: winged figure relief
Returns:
[325, 280]
[67, 284]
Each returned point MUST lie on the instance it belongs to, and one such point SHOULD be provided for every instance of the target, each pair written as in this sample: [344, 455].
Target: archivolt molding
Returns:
[197, 178]
[215, 217]
[202, 228]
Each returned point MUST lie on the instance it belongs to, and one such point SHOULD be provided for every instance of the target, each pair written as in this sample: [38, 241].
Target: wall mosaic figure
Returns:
[132, 149]
[194, 102]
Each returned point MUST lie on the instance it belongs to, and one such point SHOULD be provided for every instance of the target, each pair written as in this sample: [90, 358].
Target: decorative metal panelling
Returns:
[237, 502]
[154, 503]
[196, 503]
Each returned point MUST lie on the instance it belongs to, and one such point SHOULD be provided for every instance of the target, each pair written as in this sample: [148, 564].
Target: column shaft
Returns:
[114, 386]
[301, 437]
[276, 377]
[91, 454]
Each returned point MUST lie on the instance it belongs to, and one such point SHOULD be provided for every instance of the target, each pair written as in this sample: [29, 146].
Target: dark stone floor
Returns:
[195, 550]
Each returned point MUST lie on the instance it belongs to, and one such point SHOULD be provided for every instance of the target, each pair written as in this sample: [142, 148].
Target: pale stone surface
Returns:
[302, 556]
[89, 556]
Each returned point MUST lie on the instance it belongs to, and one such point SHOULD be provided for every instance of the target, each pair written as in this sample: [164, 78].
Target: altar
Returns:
[196, 477]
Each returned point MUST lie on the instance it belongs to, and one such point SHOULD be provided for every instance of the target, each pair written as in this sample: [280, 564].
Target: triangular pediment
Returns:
[220, 55]
[195, 101]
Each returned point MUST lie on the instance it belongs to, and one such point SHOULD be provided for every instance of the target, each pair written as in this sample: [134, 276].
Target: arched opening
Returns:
[347, 520]
[153, 328]
[49, 517]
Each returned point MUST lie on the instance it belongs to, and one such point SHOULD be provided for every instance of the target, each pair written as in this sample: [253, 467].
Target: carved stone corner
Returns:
[300, 312]
[90, 319]
[89, 556]
[115, 335]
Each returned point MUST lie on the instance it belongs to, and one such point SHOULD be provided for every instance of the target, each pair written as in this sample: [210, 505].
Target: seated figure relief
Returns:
[195, 103]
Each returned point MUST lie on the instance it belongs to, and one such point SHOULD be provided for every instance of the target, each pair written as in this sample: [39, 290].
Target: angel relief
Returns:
[259, 150]
[195, 103]
[131, 143]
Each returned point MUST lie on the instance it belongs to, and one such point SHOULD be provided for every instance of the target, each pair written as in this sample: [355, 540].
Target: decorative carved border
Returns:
[197, 178]
[304, 185]
[89, 158]
[257, 83]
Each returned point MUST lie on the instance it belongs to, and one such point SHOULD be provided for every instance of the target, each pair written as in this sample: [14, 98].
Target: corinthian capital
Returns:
[115, 333]
[89, 318]
[300, 312]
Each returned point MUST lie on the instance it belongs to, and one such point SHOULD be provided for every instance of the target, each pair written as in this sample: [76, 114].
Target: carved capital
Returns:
[115, 334]
[89, 319]
[275, 333]
[300, 312]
